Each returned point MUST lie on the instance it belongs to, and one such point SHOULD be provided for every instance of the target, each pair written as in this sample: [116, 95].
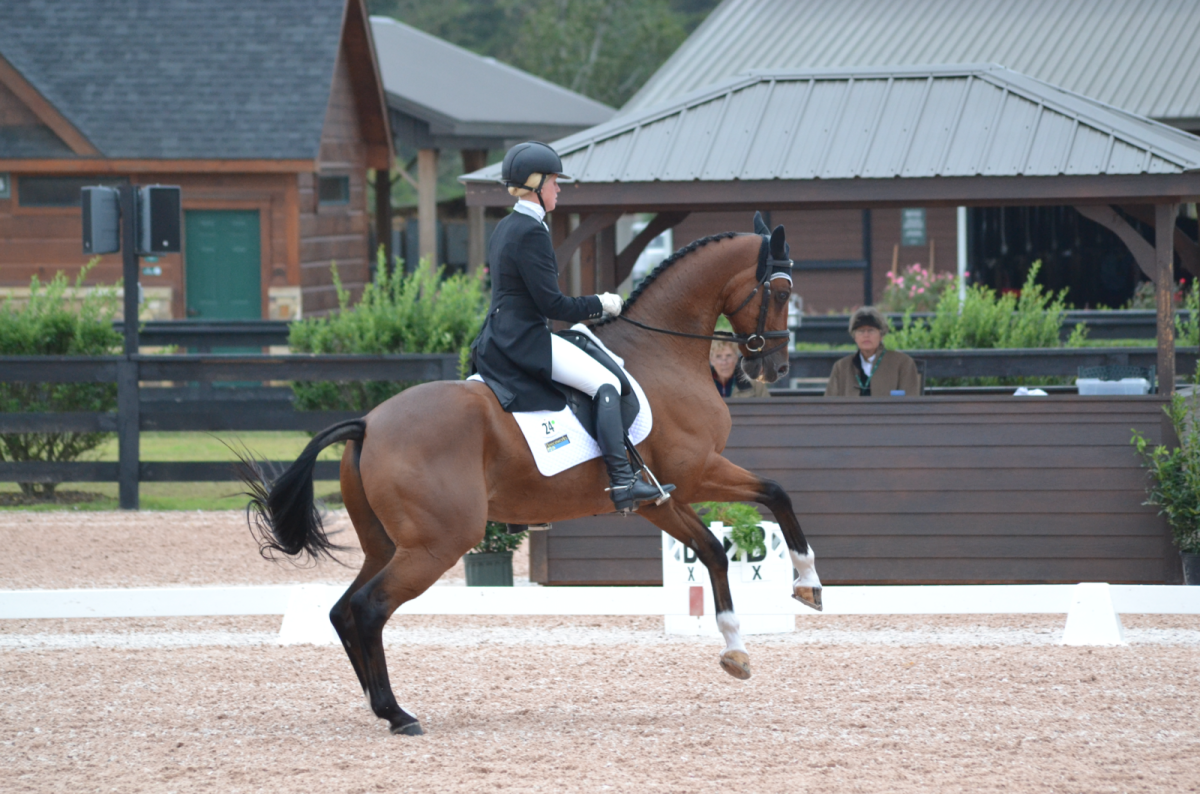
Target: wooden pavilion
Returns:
[965, 489]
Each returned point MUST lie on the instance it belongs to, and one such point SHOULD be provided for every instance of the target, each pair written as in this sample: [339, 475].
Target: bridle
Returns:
[756, 342]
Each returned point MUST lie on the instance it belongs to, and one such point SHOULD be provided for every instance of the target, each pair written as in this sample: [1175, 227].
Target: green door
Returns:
[223, 265]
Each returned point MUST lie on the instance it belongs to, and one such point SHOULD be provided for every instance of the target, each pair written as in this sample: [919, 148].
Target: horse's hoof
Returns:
[736, 663]
[408, 729]
[809, 596]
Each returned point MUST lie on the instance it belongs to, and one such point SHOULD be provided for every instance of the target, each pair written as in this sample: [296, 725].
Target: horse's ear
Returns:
[779, 246]
[760, 226]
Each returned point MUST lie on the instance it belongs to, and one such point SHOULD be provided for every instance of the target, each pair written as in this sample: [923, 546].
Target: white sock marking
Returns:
[806, 567]
[731, 627]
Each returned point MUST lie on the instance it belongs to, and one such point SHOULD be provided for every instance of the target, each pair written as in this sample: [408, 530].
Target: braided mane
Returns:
[666, 263]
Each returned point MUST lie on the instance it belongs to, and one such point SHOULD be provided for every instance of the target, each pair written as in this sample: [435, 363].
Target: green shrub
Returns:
[1174, 473]
[987, 319]
[421, 312]
[52, 323]
[497, 538]
[743, 522]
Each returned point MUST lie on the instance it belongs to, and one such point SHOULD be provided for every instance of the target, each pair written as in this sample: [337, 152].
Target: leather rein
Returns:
[756, 342]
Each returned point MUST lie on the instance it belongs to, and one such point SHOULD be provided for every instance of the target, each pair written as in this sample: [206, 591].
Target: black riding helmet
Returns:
[525, 159]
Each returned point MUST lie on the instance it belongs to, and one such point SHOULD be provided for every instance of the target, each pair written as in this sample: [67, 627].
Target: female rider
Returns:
[515, 353]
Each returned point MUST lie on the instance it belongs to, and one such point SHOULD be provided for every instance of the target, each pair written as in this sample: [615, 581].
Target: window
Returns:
[333, 190]
[5, 186]
[59, 191]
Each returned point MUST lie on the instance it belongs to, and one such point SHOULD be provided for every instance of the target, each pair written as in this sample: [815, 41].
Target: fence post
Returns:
[128, 421]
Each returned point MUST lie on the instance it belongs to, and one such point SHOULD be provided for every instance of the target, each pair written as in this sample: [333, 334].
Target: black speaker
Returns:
[101, 220]
[159, 219]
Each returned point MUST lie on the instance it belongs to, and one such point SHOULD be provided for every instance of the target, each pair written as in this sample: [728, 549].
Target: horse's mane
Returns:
[666, 263]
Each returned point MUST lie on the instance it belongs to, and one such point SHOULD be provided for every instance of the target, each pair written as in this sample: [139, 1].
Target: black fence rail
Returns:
[191, 404]
[199, 335]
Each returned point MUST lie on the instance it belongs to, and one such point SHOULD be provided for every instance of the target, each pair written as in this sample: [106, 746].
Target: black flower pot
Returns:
[1191, 567]
[489, 569]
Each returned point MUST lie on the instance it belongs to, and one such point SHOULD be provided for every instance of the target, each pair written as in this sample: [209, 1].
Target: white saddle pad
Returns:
[557, 439]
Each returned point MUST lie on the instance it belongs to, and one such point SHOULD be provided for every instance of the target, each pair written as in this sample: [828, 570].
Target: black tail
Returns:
[281, 513]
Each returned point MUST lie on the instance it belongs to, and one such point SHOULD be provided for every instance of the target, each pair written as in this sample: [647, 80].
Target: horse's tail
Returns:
[281, 514]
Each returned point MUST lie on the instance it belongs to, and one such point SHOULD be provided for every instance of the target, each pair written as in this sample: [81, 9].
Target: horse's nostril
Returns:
[783, 369]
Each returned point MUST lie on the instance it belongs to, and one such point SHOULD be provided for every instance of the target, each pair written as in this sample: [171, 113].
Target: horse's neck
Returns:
[687, 298]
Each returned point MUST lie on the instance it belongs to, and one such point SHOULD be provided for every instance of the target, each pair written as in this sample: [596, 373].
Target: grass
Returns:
[162, 446]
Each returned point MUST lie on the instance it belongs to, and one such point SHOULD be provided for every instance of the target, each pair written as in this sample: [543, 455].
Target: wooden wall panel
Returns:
[335, 232]
[945, 490]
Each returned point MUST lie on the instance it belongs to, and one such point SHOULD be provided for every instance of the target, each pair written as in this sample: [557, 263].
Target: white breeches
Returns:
[572, 367]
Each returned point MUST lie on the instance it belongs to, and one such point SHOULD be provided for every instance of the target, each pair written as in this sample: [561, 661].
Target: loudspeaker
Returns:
[159, 219]
[101, 220]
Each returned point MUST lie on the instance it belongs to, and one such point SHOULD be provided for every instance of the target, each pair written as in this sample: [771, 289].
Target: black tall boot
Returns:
[626, 488]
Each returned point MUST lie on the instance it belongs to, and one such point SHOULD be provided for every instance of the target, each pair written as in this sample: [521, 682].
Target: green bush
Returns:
[987, 319]
[743, 522]
[497, 538]
[52, 323]
[421, 312]
[1174, 473]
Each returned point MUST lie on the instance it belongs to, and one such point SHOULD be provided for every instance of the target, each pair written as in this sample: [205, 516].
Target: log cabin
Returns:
[268, 116]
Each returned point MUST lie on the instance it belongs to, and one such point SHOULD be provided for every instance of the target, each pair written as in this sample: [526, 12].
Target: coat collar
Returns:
[532, 210]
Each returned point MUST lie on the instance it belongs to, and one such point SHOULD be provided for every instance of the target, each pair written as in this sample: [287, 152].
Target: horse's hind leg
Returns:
[377, 547]
[726, 482]
[679, 521]
[409, 573]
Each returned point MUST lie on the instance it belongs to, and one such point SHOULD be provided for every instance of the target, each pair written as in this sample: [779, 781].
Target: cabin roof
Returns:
[175, 79]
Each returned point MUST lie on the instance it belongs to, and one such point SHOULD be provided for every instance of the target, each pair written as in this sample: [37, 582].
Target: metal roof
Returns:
[459, 94]
[176, 79]
[1139, 55]
[941, 121]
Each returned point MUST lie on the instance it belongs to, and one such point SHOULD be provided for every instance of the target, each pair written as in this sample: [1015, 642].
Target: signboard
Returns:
[912, 227]
[5, 186]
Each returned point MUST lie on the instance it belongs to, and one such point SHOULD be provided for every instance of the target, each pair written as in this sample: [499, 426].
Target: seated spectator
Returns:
[874, 371]
[726, 366]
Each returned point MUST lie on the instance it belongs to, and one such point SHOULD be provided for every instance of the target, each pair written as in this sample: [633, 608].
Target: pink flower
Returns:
[921, 290]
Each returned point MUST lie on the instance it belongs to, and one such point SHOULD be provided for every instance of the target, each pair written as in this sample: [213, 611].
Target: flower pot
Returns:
[489, 569]
[1191, 567]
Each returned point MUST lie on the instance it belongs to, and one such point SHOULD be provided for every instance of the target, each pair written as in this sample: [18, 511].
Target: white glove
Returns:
[612, 303]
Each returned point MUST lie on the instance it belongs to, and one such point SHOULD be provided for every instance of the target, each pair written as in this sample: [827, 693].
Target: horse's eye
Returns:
[781, 296]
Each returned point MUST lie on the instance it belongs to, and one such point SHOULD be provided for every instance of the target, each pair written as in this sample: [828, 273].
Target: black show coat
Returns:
[512, 351]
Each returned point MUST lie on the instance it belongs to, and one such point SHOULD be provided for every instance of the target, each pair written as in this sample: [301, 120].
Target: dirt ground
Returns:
[71, 549]
[847, 703]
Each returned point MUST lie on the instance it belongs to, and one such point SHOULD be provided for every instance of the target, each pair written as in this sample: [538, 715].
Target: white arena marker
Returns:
[306, 621]
[1092, 619]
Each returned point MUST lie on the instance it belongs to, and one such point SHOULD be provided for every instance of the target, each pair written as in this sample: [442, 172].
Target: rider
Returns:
[515, 353]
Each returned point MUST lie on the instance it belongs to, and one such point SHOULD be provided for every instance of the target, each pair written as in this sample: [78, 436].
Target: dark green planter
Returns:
[1191, 567]
[489, 569]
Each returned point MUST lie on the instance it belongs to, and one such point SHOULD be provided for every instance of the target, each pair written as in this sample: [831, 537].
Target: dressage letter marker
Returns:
[1091, 618]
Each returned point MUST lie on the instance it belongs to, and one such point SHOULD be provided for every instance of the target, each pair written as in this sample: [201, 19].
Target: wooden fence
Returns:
[946, 490]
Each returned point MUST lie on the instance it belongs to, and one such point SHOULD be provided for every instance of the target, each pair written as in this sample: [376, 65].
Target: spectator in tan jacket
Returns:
[725, 363]
[873, 371]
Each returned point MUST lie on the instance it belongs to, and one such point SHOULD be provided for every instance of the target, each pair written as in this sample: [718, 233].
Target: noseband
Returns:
[756, 342]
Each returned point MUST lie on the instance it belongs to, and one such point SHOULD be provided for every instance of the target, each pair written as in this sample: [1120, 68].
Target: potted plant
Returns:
[490, 563]
[1175, 481]
[747, 539]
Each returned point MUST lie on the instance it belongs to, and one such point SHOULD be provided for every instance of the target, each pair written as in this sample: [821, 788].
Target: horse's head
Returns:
[757, 307]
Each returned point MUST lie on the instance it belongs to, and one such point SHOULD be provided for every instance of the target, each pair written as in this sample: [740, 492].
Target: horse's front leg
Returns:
[725, 482]
[681, 522]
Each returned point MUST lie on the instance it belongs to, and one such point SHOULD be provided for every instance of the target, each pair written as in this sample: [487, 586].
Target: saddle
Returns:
[580, 404]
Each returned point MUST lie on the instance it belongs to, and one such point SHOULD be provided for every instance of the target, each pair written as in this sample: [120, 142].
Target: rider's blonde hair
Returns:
[533, 181]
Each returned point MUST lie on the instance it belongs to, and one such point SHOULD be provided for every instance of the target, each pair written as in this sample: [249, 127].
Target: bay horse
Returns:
[424, 471]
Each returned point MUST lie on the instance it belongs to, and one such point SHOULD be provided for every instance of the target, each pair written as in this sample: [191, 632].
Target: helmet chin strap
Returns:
[537, 191]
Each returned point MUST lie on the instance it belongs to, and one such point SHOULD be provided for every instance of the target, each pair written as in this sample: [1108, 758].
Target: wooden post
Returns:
[128, 420]
[427, 173]
[383, 217]
[868, 275]
[473, 160]
[606, 259]
[1164, 283]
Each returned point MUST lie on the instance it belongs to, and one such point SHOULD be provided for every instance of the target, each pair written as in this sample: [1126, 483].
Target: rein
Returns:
[756, 342]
